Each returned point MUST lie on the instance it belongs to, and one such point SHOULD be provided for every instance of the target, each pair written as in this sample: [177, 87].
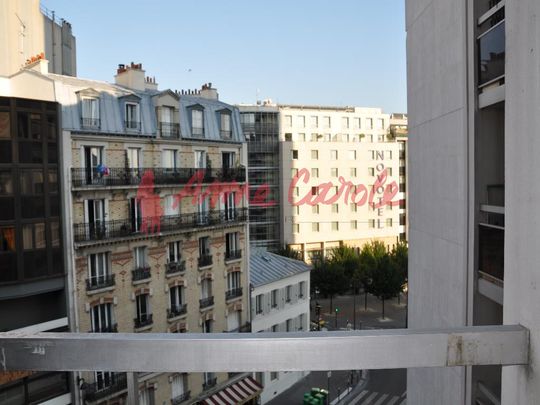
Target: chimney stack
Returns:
[207, 91]
[131, 76]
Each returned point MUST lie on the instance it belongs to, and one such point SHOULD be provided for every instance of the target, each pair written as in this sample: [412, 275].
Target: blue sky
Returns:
[343, 52]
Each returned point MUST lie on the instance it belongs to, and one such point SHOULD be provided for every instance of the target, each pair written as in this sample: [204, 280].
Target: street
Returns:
[380, 387]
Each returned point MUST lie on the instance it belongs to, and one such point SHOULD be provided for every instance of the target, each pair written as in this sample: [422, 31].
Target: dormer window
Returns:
[225, 124]
[132, 117]
[90, 112]
[197, 122]
[168, 128]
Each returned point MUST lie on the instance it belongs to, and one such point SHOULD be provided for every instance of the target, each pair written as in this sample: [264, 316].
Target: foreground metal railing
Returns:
[241, 352]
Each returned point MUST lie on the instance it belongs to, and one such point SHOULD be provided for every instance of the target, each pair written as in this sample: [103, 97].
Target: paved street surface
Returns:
[381, 387]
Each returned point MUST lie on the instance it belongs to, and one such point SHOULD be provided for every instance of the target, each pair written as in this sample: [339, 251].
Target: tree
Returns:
[400, 257]
[290, 253]
[347, 258]
[329, 278]
[386, 281]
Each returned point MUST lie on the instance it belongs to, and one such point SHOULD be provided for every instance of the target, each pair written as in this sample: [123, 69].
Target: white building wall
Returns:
[438, 188]
[278, 316]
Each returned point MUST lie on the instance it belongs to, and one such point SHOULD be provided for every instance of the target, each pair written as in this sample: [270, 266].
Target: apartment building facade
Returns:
[473, 221]
[280, 303]
[348, 152]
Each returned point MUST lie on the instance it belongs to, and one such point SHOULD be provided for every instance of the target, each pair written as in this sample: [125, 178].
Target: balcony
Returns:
[125, 177]
[211, 382]
[492, 50]
[112, 328]
[181, 398]
[177, 310]
[233, 254]
[132, 125]
[124, 228]
[491, 262]
[175, 268]
[233, 293]
[169, 130]
[197, 132]
[90, 123]
[96, 283]
[205, 261]
[206, 302]
[225, 134]
[140, 274]
[143, 320]
[94, 391]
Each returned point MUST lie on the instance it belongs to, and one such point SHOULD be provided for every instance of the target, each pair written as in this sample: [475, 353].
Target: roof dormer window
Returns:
[197, 122]
[132, 116]
[90, 112]
[225, 124]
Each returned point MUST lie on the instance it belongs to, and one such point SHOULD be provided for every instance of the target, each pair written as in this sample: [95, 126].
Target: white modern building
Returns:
[327, 151]
[279, 303]
[473, 99]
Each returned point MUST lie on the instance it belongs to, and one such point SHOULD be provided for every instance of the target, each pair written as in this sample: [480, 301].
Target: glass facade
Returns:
[261, 129]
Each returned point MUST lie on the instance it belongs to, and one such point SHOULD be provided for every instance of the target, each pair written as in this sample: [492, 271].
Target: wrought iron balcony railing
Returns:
[95, 283]
[121, 176]
[169, 130]
[112, 328]
[132, 125]
[177, 310]
[205, 260]
[176, 267]
[95, 391]
[209, 383]
[206, 302]
[122, 228]
[90, 123]
[197, 132]
[141, 273]
[143, 320]
[225, 134]
[233, 293]
[181, 398]
[233, 254]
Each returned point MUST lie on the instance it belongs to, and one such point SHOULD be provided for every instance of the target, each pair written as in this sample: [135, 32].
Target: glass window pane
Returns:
[7, 239]
[5, 127]
[6, 182]
[31, 182]
[28, 239]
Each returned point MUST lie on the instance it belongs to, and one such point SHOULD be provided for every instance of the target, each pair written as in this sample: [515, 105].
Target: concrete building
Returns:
[338, 151]
[260, 124]
[473, 100]
[28, 31]
[280, 303]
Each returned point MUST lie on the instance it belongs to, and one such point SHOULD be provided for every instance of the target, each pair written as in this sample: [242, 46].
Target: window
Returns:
[326, 122]
[354, 224]
[315, 137]
[328, 137]
[132, 116]
[302, 137]
[90, 112]
[315, 173]
[102, 318]
[234, 280]
[335, 208]
[175, 252]
[315, 154]
[203, 211]
[388, 171]
[388, 206]
[139, 254]
[169, 159]
[314, 190]
[314, 121]
[369, 123]
[295, 154]
[315, 209]
[296, 191]
[315, 226]
[352, 155]
[200, 159]
[334, 154]
[301, 321]
[144, 317]
[31, 183]
[334, 172]
[288, 137]
[232, 246]
[353, 171]
[234, 321]
[275, 328]
[345, 122]
[389, 222]
[371, 171]
[302, 289]
[296, 210]
[134, 158]
[225, 124]
[273, 375]
[302, 121]
[179, 386]
[98, 270]
[259, 304]
[204, 246]
[288, 120]
[166, 116]
[354, 207]
[176, 298]
[288, 325]
[146, 396]
[34, 236]
[197, 122]
[5, 127]
[356, 123]
[371, 223]
[335, 226]
[296, 228]
[274, 298]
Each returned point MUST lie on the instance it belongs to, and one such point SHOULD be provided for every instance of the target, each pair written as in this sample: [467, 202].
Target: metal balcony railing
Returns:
[95, 391]
[143, 320]
[225, 134]
[141, 273]
[132, 125]
[93, 177]
[206, 302]
[209, 383]
[197, 132]
[112, 328]
[505, 345]
[95, 283]
[90, 123]
[177, 310]
[181, 398]
[122, 228]
[169, 130]
[233, 254]
[176, 267]
[233, 293]
[205, 260]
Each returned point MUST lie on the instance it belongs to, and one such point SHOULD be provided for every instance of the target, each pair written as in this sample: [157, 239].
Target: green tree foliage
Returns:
[289, 252]
[346, 257]
[329, 278]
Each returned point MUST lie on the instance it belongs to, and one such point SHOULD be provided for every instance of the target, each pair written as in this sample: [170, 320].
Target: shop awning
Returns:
[237, 393]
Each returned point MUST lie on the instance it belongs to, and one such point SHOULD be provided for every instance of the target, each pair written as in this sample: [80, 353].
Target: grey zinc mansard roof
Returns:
[265, 267]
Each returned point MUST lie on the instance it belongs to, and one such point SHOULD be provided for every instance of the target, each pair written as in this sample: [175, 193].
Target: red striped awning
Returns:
[235, 394]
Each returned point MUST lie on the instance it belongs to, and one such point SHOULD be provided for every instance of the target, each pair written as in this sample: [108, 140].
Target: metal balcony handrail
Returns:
[176, 310]
[205, 260]
[97, 282]
[169, 129]
[206, 302]
[233, 293]
[141, 273]
[233, 254]
[211, 382]
[121, 176]
[112, 328]
[181, 398]
[93, 391]
[143, 320]
[88, 122]
[132, 125]
[176, 267]
[121, 228]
